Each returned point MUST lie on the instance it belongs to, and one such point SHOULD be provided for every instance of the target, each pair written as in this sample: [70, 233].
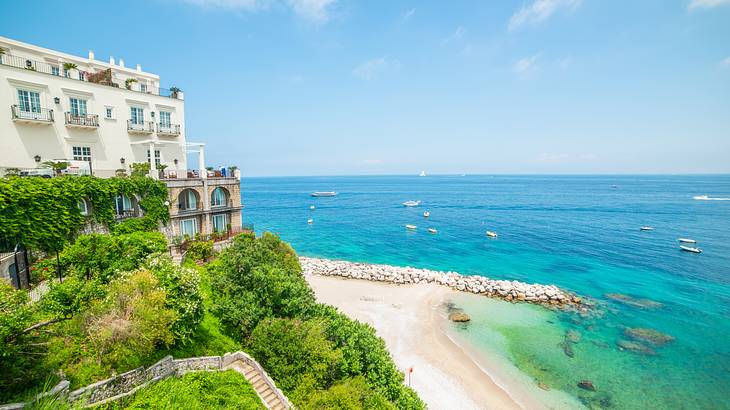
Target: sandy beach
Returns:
[411, 320]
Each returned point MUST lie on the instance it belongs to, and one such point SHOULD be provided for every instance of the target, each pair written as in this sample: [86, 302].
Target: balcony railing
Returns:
[83, 120]
[186, 208]
[37, 115]
[80, 75]
[126, 213]
[228, 203]
[168, 129]
[144, 127]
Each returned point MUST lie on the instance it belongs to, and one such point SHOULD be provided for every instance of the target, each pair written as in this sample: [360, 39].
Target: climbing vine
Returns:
[44, 214]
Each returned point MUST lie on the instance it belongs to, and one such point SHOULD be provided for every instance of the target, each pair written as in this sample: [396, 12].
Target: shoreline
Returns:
[446, 372]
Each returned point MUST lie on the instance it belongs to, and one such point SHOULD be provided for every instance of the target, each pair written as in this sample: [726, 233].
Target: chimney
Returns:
[111, 60]
[91, 55]
[139, 68]
[121, 62]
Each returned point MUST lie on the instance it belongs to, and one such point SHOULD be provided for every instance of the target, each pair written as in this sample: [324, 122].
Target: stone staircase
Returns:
[270, 395]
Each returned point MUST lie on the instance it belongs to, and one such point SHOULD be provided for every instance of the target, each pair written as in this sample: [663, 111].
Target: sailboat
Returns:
[422, 174]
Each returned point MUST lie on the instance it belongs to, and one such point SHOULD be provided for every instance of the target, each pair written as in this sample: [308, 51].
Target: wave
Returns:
[709, 198]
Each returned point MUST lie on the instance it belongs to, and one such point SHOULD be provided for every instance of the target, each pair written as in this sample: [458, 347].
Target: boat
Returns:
[432, 230]
[686, 240]
[690, 249]
[310, 221]
[708, 198]
[323, 193]
[312, 207]
[411, 203]
[411, 227]
[426, 214]
[491, 234]
[422, 174]
[646, 228]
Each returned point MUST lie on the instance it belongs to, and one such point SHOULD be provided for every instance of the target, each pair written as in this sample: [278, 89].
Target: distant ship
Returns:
[422, 174]
[411, 203]
[324, 193]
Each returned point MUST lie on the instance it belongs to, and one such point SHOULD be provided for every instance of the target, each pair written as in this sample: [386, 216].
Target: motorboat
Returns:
[422, 174]
[411, 227]
[690, 249]
[491, 234]
[310, 221]
[709, 198]
[323, 193]
[432, 230]
[411, 203]
[646, 228]
[311, 207]
[426, 214]
[687, 240]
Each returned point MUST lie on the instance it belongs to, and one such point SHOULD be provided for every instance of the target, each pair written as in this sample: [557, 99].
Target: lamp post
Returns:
[37, 159]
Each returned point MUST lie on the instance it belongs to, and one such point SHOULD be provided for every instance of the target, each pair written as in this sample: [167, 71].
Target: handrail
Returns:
[87, 120]
[42, 114]
[172, 129]
[144, 126]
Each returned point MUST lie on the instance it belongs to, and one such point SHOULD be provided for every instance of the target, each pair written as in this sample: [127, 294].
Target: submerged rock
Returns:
[634, 302]
[543, 386]
[635, 347]
[600, 343]
[647, 335]
[586, 385]
[457, 316]
[567, 348]
[572, 336]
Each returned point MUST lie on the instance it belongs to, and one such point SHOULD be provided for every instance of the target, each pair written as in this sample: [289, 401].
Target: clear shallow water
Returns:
[577, 232]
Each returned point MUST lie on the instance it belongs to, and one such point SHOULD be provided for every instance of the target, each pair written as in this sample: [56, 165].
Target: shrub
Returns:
[71, 296]
[15, 315]
[200, 250]
[350, 394]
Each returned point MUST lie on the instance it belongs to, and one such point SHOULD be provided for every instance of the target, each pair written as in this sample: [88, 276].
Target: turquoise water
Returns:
[578, 232]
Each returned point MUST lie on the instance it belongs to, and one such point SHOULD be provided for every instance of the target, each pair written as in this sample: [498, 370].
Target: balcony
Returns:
[168, 129]
[38, 116]
[143, 127]
[82, 121]
[125, 214]
[99, 77]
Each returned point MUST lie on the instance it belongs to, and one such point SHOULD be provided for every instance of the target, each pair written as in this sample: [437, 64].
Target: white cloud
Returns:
[408, 14]
[316, 11]
[458, 34]
[706, 4]
[725, 63]
[527, 64]
[371, 69]
[541, 10]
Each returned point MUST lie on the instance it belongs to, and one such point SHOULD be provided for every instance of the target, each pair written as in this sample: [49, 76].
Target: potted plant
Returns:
[57, 166]
[67, 67]
[128, 83]
[140, 169]
[174, 92]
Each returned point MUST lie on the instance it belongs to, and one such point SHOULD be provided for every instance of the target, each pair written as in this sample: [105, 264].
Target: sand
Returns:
[412, 321]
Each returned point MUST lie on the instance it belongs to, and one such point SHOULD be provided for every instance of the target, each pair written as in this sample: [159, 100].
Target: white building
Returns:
[62, 107]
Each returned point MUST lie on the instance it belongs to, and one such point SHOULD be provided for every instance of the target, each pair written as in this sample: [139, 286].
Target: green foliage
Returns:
[71, 296]
[295, 353]
[350, 394]
[42, 213]
[195, 391]
[15, 315]
[200, 250]
[140, 169]
[258, 278]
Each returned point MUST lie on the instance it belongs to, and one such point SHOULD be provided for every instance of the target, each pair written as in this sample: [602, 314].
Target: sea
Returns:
[581, 233]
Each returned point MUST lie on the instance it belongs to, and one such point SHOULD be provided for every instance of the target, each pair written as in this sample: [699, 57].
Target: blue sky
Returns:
[333, 87]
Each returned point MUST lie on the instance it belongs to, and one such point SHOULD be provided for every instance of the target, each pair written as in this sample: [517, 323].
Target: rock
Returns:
[634, 302]
[457, 316]
[543, 386]
[635, 347]
[586, 385]
[572, 336]
[567, 348]
[647, 335]
[600, 343]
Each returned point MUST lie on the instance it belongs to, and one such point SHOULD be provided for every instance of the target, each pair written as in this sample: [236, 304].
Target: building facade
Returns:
[101, 118]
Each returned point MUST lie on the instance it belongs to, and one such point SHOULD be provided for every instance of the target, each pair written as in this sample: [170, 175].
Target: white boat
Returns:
[686, 240]
[422, 174]
[690, 249]
[310, 221]
[708, 198]
[491, 234]
[426, 214]
[411, 203]
[646, 228]
[312, 207]
[432, 230]
[411, 227]
[324, 193]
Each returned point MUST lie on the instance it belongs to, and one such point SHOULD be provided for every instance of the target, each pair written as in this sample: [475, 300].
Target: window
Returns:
[137, 115]
[187, 200]
[157, 157]
[81, 153]
[66, 73]
[218, 197]
[220, 223]
[109, 113]
[164, 120]
[83, 207]
[78, 107]
[81, 75]
[143, 88]
[122, 203]
[55, 70]
[188, 227]
[29, 101]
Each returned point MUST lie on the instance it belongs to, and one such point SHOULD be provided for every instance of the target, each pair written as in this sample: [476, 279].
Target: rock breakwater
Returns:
[514, 291]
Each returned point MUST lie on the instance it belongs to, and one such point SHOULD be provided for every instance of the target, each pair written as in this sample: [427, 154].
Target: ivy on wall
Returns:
[43, 213]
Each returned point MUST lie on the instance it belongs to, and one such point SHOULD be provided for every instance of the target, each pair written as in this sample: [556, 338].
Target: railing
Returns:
[144, 126]
[171, 129]
[42, 114]
[228, 203]
[85, 120]
[184, 208]
[126, 213]
[80, 75]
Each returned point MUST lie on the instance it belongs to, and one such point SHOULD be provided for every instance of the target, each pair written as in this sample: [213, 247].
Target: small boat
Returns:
[614, 186]
[323, 193]
[690, 249]
[709, 198]
[422, 174]
[491, 234]
[411, 227]
[426, 214]
[432, 230]
[686, 240]
[646, 228]
[310, 221]
[411, 203]
[312, 207]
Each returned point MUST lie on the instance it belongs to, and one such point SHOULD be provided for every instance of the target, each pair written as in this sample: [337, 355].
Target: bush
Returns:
[15, 315]
[350, 394]
[200, 250]
[71, 296]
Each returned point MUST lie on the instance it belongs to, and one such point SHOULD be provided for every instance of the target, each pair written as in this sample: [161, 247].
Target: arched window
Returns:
[187, 200]
[83, 206]
[218, 197]
[123, 204]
